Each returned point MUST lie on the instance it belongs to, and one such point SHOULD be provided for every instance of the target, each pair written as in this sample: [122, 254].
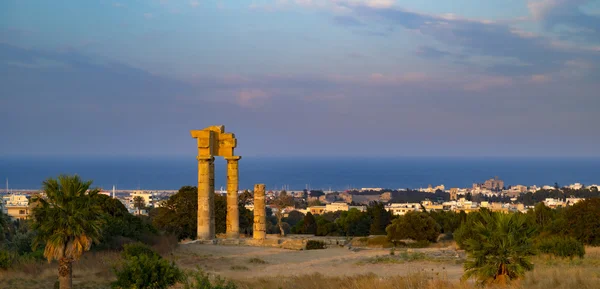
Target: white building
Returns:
[575, 186]
[16, 206]
[400, 209]
[148, 197]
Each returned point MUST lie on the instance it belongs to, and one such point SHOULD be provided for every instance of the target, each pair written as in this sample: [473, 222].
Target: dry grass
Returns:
[93, 271]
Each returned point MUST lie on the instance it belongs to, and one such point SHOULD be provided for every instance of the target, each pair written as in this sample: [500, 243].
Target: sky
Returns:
[301, 78]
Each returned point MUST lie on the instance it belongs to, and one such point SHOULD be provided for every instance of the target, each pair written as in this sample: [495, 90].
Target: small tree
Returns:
[310, 224]
[294, 217]
[354, 223]
[281, 202]
[68, 220]
[500, 250]
[583, 221]
[139, 203]
[417, 226]
[141, 267]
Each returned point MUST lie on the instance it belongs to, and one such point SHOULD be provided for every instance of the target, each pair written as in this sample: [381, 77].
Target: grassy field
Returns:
[257, 267]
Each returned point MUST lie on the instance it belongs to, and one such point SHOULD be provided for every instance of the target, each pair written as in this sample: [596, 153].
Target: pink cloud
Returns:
[540, 78]
[378, 78]
[488, 83]
[251, 97]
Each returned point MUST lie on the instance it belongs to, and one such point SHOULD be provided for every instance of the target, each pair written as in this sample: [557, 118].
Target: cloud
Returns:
[528, 53]
[431, 52]
[127, 104]
[486, 83]
[413, 77]
[380, 3]
[148, 15]
[194, 3]
[346, 21]
[540, 78]
[576, 24]
[251, 97]
[118, 5]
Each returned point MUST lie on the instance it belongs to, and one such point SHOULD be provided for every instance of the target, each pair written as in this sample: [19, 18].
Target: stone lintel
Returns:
[205, 158]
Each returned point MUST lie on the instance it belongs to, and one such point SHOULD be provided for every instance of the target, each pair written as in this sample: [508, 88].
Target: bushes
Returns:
[136, 250]
[6, 259]
[561, 246]
[143, 268]
[201, 280]
[417, 226]
[314, 245]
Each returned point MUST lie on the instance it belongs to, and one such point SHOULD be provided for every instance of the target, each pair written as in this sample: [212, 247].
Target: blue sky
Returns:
[335, 77]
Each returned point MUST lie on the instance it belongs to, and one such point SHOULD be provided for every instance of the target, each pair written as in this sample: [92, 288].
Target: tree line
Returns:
[73, 218]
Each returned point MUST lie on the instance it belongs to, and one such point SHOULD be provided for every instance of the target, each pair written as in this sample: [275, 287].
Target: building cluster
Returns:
[17, 205]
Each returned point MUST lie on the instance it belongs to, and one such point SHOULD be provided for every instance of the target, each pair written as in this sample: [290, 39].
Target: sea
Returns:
[298, 173]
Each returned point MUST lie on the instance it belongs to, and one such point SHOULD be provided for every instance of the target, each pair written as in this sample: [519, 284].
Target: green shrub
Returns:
[314, 245]
[257, 261]
[146, 271]
[136, 250]
[561, 246]
[6, 259]
[379, 242]
[201, 280]
[417, 226]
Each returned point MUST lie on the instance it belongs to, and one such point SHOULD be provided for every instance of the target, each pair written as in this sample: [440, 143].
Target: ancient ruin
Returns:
[260, 213]
[213, 141]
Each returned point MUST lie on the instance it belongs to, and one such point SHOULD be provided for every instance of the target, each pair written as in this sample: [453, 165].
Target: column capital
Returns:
[233, 158]
[205, 158]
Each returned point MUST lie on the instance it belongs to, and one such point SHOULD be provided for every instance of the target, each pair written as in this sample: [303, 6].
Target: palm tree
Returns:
[139, 203]
[500, 250]
[67, 220]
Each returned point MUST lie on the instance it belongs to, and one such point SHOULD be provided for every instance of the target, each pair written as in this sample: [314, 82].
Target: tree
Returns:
[310, 224]
[294, 217]
[354, 223]
[68, 220]
[139, 203]
[380, 218]
[314, 203]
[246, 198]
[220, 210]
[119, 223]
[418, 226]
[281, 202]
[448, 221]
[500, 250]
[178, 215]
[583, 221]
[466, 229]
[326, 227]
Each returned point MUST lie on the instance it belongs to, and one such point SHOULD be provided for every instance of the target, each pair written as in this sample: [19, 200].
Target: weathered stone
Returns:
[260, 216]
[205, 199]
[233, 215]
[213, 141]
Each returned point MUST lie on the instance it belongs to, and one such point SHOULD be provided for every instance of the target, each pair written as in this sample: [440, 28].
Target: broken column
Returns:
[233, 214]
[260, 213]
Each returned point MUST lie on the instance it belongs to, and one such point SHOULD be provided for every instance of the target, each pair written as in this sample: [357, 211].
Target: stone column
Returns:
[205, 198]
[260, 212]
[233, 214]
[211, 200]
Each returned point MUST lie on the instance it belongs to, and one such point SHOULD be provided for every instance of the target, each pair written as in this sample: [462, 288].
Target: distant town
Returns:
[491, 194]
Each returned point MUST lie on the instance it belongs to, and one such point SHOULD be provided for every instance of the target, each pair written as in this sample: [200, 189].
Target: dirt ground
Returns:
[234, 262]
